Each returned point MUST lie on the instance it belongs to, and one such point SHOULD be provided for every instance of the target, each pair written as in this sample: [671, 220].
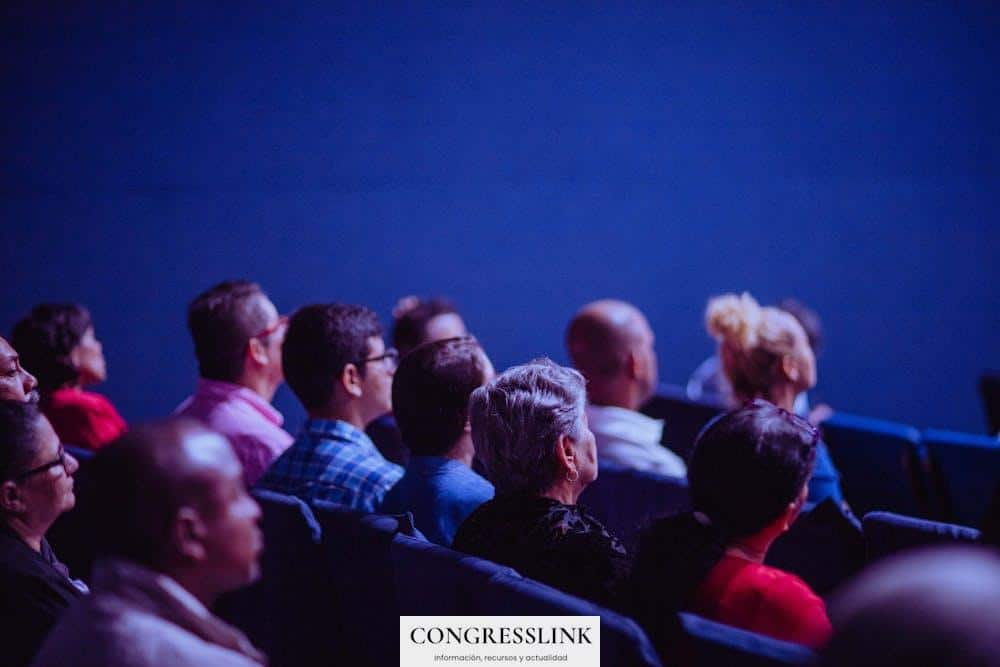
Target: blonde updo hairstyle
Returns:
[753, 340]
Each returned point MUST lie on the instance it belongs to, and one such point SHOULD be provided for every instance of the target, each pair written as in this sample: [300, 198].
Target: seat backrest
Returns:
[434, 580]
[967, 473]
[715, 644]
[623, 643]
[362, 610]
[683, 418]
[989, 390]
[278, 613]
[886, 533]
[625, 500]
[881, 464]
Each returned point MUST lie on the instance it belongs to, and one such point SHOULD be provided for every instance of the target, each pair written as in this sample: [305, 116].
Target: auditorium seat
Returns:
[989, 391]
[623, 643]
[966, 471]
[683, 418]
[281, 612]
[881, 464]
[625, 499]
[361, 614]
[713, 644]
[886, 533]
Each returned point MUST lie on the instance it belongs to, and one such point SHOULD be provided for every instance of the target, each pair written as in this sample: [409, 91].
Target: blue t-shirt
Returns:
[825, 480]
[440, 492]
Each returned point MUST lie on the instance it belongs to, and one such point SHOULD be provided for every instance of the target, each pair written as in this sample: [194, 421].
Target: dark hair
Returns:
[746, 467]
[321, 340]
[808, 318]
[430, 393]
[46, 338]
[222, 320]
[18, 437]
[411, 317]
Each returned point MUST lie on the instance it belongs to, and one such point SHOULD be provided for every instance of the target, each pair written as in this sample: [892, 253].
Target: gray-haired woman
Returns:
[530, 430]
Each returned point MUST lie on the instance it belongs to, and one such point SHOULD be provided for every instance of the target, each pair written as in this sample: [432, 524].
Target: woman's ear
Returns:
[795, 507]
[565, 452]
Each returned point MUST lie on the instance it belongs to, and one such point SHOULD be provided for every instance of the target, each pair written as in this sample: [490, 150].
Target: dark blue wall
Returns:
[522, 160]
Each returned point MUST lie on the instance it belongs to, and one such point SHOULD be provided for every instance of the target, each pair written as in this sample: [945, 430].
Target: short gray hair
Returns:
[517, 420]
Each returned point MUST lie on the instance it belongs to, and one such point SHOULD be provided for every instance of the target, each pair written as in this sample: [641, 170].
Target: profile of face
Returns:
[88, 359]
[231, 538]
[446, 325]
[376, 385]
[267, 351]
[16, 384]
[45, 487]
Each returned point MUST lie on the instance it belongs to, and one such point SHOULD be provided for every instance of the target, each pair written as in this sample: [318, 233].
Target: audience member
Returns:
[936, 606]
[529, 425]
[178, 529]
[237, 336]
[765, 354]
[709, 381]
[415, 322]
[337, 365]
[748, 476]
[36, 486]
[611, 344]
[419, 321]
[430, 398]
[16, 384]
[57, 342]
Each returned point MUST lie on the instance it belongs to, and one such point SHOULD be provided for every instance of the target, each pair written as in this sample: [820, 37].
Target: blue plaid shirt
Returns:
[335, 462]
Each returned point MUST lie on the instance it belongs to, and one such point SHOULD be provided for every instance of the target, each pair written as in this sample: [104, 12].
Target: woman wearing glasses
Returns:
[36, 487]
[57, 343]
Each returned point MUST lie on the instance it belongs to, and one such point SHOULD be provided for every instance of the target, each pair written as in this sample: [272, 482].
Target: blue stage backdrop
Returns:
[522, 159]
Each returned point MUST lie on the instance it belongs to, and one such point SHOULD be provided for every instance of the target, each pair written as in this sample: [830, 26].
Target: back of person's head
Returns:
[756, 343]
[322, 339]
[748, 469]
[45, 340]
[222, 320]
[19, 443]
[170, 496]
[417, 321]
[517, 420]
[430, 393]
[928, 607]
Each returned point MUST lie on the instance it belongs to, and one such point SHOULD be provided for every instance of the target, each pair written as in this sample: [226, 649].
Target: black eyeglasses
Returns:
[61, 461]
[390, 357]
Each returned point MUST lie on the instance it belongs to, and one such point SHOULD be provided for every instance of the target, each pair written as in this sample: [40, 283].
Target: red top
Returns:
[83, 418]
[764, 600]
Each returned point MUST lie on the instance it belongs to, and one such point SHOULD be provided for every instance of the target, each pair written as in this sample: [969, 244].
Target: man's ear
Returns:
[10, 497]
[350, 380]
[188, 534]
[633, 365]
[257, 352]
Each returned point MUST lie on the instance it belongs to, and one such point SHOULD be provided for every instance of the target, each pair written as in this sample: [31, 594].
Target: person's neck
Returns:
[31, 535]
[195, 585]
[562, 492]
[345, 412]
[616, 396]
[753, 548]
[260, 385]
[463, 451]
[783, 396]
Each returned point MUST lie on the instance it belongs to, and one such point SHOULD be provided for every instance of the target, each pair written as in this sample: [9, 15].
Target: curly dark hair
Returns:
[46, 338]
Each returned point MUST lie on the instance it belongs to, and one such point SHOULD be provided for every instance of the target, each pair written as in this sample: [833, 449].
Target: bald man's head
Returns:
[611, 343]
[170, 494]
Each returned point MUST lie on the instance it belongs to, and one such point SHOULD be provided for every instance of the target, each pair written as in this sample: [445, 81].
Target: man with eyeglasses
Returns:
[336, 363]
[36, 486]
[237, 335]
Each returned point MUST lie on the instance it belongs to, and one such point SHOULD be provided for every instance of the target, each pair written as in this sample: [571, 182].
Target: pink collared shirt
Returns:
[252, 424]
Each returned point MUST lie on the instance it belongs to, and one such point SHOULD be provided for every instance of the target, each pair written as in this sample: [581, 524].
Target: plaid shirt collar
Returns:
[341, 431]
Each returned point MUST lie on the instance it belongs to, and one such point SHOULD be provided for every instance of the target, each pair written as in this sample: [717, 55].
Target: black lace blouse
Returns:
[564, 546]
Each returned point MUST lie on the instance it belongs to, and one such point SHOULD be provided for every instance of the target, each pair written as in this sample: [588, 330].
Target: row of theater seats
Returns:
[936, 474]
[335, 581]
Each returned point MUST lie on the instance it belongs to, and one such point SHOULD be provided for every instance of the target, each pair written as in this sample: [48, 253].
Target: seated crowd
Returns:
[492, 465]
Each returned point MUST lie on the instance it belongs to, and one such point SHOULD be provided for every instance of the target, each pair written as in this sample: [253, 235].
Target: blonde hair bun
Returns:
[734, 319]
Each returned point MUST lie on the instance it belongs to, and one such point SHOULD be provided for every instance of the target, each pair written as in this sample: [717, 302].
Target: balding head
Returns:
[170, 496]
[611, 343]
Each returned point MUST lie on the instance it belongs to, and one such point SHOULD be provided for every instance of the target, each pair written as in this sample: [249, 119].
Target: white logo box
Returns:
[555, 641]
